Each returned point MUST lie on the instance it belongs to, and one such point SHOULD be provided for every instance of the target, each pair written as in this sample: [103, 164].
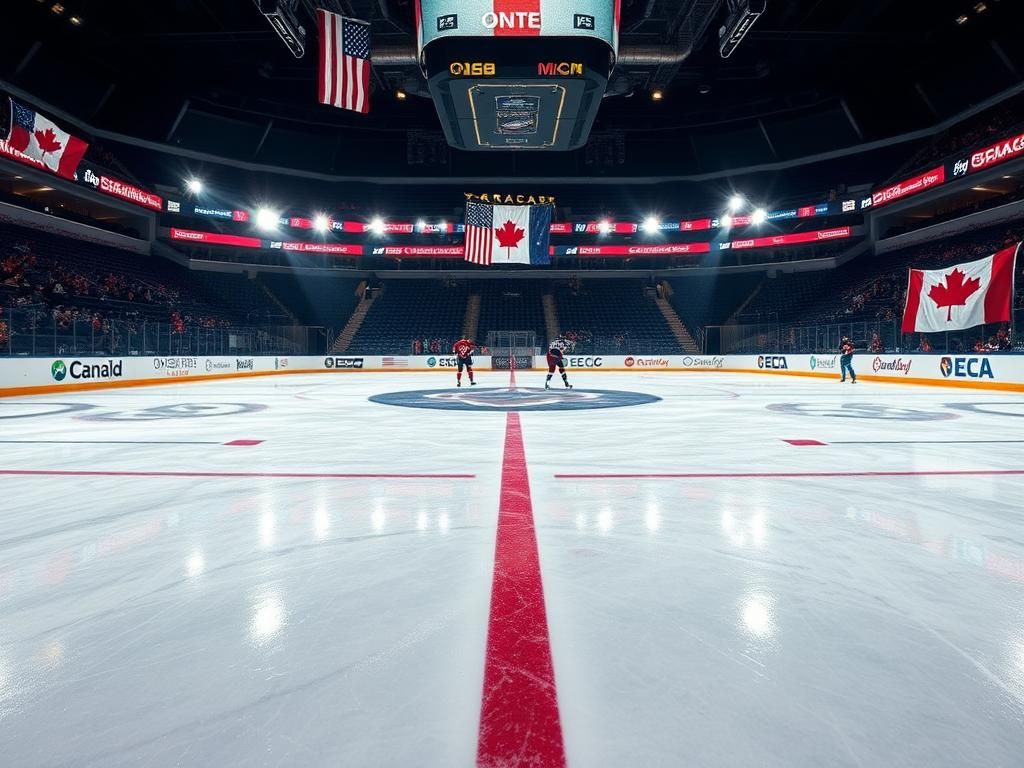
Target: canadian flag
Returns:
[44, 141]
[962, 296]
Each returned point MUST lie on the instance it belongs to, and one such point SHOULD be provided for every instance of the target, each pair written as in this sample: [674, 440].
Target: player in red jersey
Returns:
[556, 359]
[463, 350]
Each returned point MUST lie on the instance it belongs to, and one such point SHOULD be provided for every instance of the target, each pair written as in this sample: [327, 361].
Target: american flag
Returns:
[479, 233]
[344, 71]
[395, 362]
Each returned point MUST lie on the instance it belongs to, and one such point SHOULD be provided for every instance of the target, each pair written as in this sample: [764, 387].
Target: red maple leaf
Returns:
[47, 140]
[509, 236]
[954, 293]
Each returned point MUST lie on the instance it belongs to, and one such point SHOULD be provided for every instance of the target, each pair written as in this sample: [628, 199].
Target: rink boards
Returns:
[41, 375]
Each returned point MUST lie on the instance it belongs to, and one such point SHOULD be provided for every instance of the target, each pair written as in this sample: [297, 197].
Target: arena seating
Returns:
[55, 283]
[511, 306]
[779, 298]
[409, 309]
[52, 271]
[242, 297]
[321, 301]
[613, 316]
[702, 301]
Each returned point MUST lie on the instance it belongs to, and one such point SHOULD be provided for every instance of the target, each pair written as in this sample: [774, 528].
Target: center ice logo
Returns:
[505, 399]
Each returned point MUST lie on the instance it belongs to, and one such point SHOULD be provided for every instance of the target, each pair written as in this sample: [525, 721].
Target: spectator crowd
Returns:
[41, 292]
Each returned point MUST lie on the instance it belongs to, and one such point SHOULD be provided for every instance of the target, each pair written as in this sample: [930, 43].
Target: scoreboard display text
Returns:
[490, 69]
[518, 18]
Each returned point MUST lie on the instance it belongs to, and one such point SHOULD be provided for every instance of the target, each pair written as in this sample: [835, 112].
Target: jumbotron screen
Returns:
[517, 74]
[516, 18]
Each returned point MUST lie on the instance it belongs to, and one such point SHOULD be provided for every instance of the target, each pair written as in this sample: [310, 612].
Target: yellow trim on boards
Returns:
[48, 389]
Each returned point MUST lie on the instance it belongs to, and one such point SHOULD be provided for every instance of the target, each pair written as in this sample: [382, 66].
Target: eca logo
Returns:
[966, 367]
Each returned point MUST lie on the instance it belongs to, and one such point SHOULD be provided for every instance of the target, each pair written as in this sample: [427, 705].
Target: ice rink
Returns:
[743, 570]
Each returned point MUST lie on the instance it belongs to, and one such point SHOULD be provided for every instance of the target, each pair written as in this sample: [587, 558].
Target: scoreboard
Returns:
[527, 76]
[518, 18]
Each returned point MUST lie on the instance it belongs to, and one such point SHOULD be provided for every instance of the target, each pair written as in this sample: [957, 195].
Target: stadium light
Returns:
[377, 225]
[321, 223]
[760, 216]
[400, 95]
[651, 225]
[267, 219]
[726, 221]
[657, 95]
[195, 186]
[735, 202]
[604, 226]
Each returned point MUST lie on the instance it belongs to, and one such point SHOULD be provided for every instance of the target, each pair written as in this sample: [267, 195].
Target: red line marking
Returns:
[288, 475]
[802, 442]
[770, 475]
[244, 442]
[519, 720]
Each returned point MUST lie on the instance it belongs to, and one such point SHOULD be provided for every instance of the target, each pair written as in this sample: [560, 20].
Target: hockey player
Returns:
[556, 358]
[846, 350]
[463, 350]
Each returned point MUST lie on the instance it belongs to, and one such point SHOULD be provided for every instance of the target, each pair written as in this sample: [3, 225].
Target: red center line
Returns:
[286, 475]
[519, 720]
[770, 475]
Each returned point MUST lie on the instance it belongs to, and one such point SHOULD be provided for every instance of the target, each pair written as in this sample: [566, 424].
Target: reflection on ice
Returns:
[378, 518]
[50, 656]
[652, 516]
[757, 616]
[267, 525]
[195, 564]
[1016, 665]
[321, 522]
[6, 678]
[744, 532]
[268, 617]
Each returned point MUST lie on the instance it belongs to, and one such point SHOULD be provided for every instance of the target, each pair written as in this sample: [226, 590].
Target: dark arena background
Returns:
[512, 383]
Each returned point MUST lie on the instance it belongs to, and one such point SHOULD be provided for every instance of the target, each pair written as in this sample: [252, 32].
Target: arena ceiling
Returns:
[813, 77]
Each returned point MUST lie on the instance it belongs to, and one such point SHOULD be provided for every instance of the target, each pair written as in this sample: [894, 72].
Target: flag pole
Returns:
[1013, 299]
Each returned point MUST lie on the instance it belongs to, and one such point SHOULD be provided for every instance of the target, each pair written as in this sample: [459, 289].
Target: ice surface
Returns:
[776, 605]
